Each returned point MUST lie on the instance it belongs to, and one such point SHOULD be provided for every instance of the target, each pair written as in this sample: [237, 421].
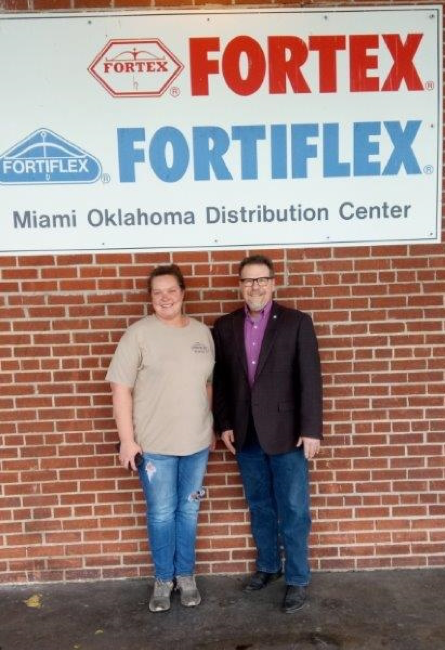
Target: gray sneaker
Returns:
[190, 596]
[160, 598]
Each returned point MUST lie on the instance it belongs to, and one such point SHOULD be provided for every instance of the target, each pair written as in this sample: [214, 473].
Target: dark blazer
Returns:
[285, 399]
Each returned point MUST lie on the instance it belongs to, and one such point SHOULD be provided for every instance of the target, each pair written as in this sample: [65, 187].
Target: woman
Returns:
[160, 377]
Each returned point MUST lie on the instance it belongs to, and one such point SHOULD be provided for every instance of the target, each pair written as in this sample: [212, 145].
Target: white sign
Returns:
[218, 129]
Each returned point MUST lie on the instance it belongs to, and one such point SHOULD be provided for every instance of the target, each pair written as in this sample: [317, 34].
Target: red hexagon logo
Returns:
[136, 68]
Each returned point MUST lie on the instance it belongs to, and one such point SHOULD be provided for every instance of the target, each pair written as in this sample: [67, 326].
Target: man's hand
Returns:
[311, 446]
[212, 445]
[228, 439]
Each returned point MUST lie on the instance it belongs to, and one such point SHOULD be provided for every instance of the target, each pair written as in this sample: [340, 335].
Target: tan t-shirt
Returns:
[168, 369]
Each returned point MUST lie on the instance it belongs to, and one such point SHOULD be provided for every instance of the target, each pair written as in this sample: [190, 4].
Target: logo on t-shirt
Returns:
[200, 348]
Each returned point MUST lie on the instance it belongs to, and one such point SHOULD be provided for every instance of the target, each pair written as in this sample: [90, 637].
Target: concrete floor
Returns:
[384, 610]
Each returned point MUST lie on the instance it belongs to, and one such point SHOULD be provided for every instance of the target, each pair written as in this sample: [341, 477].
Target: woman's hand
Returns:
[212, 445]
[127, 452]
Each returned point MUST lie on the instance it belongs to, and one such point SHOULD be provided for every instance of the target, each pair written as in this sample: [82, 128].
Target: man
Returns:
[267, 407]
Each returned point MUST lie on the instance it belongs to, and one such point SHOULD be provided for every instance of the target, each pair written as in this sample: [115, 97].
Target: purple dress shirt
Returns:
[254, 329]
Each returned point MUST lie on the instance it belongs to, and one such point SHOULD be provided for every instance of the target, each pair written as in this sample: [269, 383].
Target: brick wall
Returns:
[69, 512]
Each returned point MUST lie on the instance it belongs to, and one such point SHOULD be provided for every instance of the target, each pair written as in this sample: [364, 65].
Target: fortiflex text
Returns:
[292, 151]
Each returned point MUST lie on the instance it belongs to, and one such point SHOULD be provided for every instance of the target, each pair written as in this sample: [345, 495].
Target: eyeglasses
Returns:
[261, 282]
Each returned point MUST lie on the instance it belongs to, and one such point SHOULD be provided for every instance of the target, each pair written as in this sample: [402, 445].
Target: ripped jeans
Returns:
[173, 491]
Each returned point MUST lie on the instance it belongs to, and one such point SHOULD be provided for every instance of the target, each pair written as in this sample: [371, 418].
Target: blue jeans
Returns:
[277, 492]
[173, 491]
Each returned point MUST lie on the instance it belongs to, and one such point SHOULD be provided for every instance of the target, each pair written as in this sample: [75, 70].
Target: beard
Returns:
[256, 303]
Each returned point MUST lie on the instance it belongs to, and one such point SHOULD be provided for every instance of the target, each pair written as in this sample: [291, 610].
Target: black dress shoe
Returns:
[294, 599]
[261, 579]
